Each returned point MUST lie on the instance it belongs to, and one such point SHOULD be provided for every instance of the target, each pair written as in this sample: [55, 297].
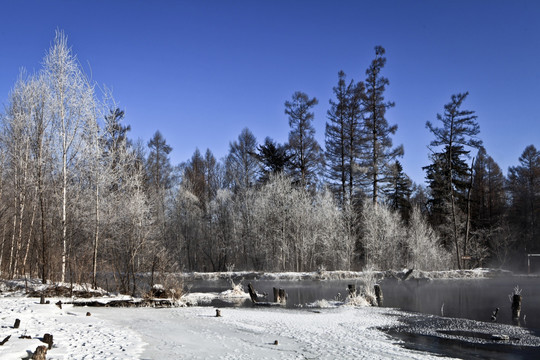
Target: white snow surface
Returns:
[75, 335]
[346, 332]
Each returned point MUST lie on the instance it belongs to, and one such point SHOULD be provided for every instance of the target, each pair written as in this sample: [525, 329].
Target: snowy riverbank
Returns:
[325, 329]
[195, 332]
[346, 275]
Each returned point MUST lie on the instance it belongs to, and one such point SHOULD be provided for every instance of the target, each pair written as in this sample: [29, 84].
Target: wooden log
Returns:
[40, 353]
[17, 324]
[352, 290]
[48, 339]
[267, 304]
[5, 340]
[378, 295]
[252, 294]
[516, 307]
[407, 274]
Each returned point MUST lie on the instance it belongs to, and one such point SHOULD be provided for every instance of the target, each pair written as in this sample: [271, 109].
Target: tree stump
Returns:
[282, 296]
[378, 295]
[42, 299]
[40, 353]
[59, 304]
[252, 294]
[17, 324]
[276, 294]
[48, 339]
[218, 313]
[516, 307]
[494, 315]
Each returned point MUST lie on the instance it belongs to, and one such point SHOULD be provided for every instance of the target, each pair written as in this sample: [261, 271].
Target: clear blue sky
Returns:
[201, 71]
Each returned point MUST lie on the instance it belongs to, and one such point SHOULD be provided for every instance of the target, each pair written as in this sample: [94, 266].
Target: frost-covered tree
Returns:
[26, 106]
[334, 244]
[71, 106]
[423, 247]
[383, 235]
[221, 249]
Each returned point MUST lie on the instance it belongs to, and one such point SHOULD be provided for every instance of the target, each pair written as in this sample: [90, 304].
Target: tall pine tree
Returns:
[524, 188]
[307, 158]
[449, 175]
[377, 143]
[343, 139]
[273, 159]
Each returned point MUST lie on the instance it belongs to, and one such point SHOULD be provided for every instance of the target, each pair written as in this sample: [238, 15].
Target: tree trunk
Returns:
[96, 237]
[64, 213]
[13, 239]
[2, 249]
[468, 221]
[27, 251]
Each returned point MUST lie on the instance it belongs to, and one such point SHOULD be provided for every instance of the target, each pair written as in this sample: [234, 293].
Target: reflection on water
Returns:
[474, 299]
[465, 350]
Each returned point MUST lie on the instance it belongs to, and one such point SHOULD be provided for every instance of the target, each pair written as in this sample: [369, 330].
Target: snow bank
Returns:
[234, 296]
[345, 275]
[195, 332]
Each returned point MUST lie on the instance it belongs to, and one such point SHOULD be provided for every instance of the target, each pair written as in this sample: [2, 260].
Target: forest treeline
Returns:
[80, 198]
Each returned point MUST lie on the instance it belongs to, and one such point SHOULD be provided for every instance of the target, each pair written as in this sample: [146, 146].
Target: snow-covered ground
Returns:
[75, 335]
[196, 333]
[324, 330]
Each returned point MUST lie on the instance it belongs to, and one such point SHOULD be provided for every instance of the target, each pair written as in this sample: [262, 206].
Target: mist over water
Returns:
[474, 299]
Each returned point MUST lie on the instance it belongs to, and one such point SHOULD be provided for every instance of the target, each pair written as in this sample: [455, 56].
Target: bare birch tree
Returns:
[71, 106]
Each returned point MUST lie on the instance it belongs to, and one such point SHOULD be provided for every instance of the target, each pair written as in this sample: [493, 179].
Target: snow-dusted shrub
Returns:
[368, 280]
[423, 246]
[334, 244]
[382, 237]
[292, 229]
[357, 300]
